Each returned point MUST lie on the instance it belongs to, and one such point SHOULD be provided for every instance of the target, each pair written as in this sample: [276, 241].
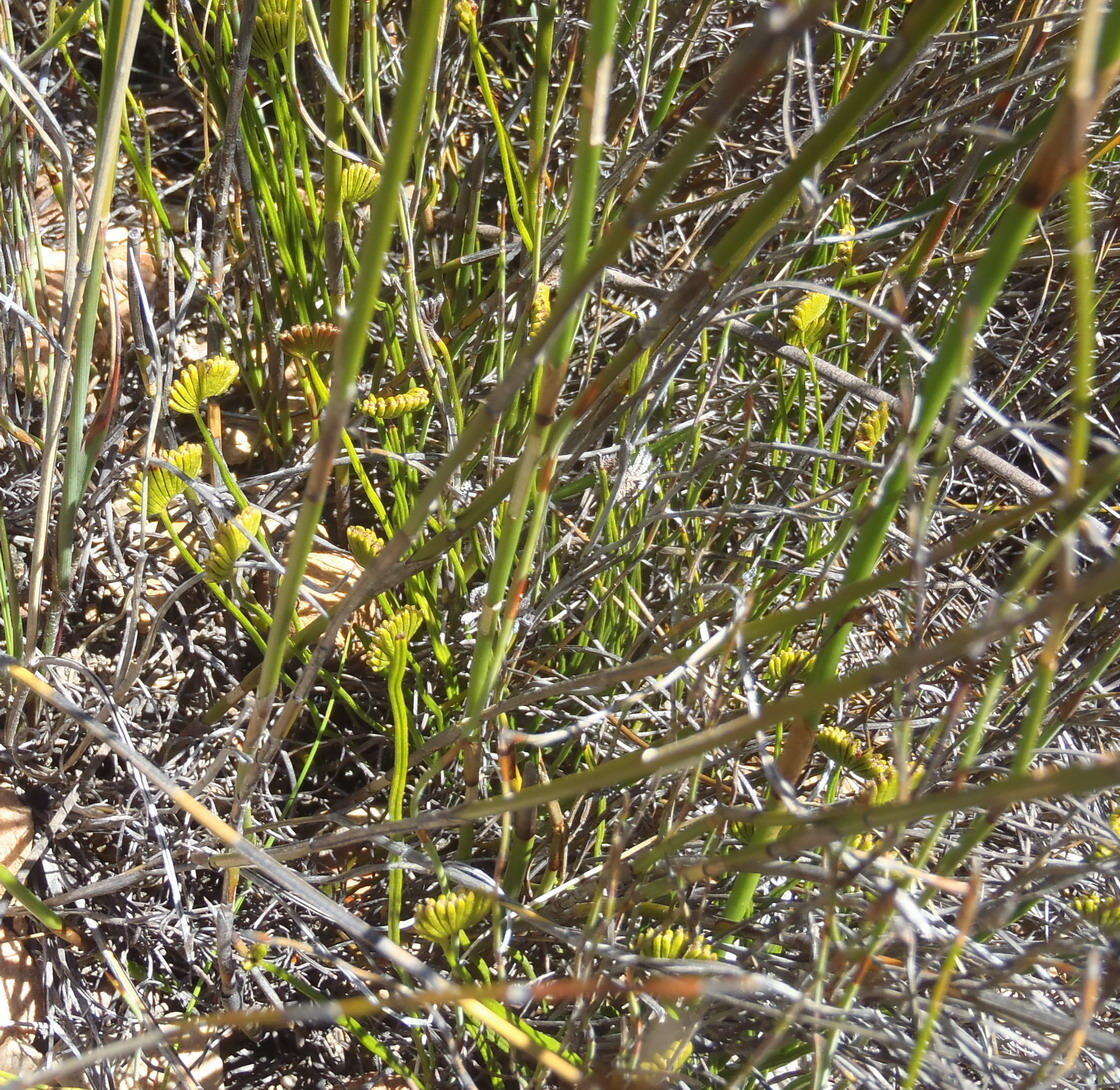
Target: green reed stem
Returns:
[401, 727]
[419, 54]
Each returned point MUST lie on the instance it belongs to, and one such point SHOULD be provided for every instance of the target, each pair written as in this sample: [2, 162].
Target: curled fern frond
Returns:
[785, 665]
[163, 485]
[872, 429]
[390, 406]
[849, 752]
[359, 183]
[230, 543]
[270, 32]
[309, 341]
[364, 544]
[674, 943]
[198, 382]
[441, 918]
[393, 632]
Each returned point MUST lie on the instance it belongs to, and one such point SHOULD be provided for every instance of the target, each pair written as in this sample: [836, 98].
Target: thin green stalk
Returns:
[598, 47]
[401, 727]
[80, 321]
[516, 189]
[941, 987]
[334, 113]
[338, 42]
[218, 459]
[419, 55]
[538, 116]
[954, 354]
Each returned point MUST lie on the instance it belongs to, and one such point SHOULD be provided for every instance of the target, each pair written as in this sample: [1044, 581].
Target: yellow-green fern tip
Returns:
[872, 429]
[787, 664]
[849, 752]
[666, 1060]
[1102, 911]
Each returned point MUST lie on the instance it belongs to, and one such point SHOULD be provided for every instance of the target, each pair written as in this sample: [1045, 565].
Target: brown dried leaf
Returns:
[22, 1000]
[241, 440]
[329, 577]
[17, 831]
[48, 302]
[22, 1004]
[155, 1071]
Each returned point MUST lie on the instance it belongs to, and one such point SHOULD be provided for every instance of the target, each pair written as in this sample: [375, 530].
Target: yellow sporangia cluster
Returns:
[440, 919]
[364, 544]
[1102, 911]
[539, 309]
[1108, 848]
[674, 943]
[391, 406]
[846, 750]
[466, 13]
[872, 429]
[785, 665]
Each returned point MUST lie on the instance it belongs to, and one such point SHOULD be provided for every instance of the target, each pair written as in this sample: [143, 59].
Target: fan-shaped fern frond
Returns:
[309, 341]
[198, 382]
[359, 183]
[164, 485]
[441, 918]
[270, 32]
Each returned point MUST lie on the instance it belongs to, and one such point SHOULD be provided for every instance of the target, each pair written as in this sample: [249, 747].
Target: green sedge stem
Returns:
[228, 479]
[401, 726]
[419, 55]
